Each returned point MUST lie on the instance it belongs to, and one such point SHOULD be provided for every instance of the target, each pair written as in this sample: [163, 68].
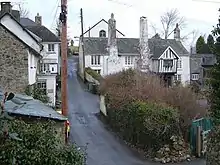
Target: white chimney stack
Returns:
[144, 49]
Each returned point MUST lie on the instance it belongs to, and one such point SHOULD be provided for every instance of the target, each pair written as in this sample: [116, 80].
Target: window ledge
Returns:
[52, 52]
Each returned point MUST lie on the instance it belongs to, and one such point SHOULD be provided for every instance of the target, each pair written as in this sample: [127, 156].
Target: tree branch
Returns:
[23, 12]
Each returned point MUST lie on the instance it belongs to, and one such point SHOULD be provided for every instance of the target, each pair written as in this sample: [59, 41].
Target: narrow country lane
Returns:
[102, 147]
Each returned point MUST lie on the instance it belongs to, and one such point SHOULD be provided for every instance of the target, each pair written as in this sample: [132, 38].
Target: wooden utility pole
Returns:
[63, 19]
[82, 41]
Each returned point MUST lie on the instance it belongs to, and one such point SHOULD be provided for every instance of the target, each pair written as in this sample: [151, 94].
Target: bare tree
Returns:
[189, 39]
[169, 19]
[23, 11]
[156, 30]
[195, 34]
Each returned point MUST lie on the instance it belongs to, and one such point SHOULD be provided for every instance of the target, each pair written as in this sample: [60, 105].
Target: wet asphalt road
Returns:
[88, 132]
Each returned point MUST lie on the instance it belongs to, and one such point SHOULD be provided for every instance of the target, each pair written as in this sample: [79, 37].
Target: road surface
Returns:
[103, 148]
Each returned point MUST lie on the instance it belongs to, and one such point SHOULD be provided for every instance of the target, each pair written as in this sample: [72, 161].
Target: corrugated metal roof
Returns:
[27, 106]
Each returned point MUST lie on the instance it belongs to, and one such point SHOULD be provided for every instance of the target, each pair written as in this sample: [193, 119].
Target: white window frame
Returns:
[44, 67]
[98, 71]
[195, 76]
[129, 60]
[178, 77]
[51, 48]
[95, 60]
[42, 84]
[179, 64]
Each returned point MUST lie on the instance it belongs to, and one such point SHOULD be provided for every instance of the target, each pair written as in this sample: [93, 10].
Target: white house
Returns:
[106, 50]
[32, 48]
[48, 66]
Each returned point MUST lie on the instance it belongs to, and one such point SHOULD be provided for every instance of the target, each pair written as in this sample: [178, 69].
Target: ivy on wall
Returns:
[37, 93]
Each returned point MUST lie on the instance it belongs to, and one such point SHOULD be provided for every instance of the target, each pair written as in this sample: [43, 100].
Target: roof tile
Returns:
[96, 45]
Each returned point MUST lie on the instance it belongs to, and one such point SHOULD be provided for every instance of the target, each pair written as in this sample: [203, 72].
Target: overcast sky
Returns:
[200, 16]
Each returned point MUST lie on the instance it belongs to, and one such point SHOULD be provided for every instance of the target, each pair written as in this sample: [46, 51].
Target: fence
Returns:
[198, 135]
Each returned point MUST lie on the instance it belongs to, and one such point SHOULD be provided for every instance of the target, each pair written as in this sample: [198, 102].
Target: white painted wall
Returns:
[81, 71]
[94, 32]
[18, 30]
[51, 87]
[107, 67]
[185, 70]
[32, 67]
[50, 55]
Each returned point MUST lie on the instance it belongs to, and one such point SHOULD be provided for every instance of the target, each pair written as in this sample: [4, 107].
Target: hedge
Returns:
[213, 147]
[131, 85]
[39, 144]
[145, 125]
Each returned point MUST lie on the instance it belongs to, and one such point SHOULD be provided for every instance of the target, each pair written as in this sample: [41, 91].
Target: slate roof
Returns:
[195, 64]
[96, 45]
[201, 60]
[27, 106]
[27, 22]
[208, 59]
[41, 31]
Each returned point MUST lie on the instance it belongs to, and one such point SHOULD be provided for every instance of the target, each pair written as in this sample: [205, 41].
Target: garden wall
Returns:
[89, 78]
[102, 105]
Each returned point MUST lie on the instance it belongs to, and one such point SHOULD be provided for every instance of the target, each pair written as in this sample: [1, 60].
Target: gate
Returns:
[205, 125]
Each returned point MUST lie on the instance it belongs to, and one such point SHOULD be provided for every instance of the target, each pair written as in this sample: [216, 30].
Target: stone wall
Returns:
[13, 62]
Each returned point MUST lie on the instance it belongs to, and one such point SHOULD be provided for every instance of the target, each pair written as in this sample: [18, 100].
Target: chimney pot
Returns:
[112, 16]
[112, 41]
[177, 32]
[38, 19]
[6, 7]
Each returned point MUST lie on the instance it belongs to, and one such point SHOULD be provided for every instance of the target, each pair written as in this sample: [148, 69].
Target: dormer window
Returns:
[102, 33]
[168, 63]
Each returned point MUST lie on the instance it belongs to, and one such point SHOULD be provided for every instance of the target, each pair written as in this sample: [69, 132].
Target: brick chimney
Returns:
[112, 41]
[144, 49]
[38, 19]
[6, 7]
[177, 33]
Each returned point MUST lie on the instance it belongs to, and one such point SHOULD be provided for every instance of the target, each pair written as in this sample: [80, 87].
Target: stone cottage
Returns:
[19, 52]
[108, 52]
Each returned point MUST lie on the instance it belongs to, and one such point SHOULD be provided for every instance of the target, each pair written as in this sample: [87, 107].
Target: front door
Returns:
[168, 80]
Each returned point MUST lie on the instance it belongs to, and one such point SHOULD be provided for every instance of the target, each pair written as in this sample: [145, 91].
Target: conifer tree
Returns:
[200, 43]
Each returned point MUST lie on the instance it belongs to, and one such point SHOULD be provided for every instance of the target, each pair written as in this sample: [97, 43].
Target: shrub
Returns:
[37, 93]
[146, 125]
[40, 144]
[213, 154]
[94, 74]
[131, 85]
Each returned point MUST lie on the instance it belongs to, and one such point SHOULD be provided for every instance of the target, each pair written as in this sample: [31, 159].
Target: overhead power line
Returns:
[55, 14]
[209, 1]
[121, 3]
